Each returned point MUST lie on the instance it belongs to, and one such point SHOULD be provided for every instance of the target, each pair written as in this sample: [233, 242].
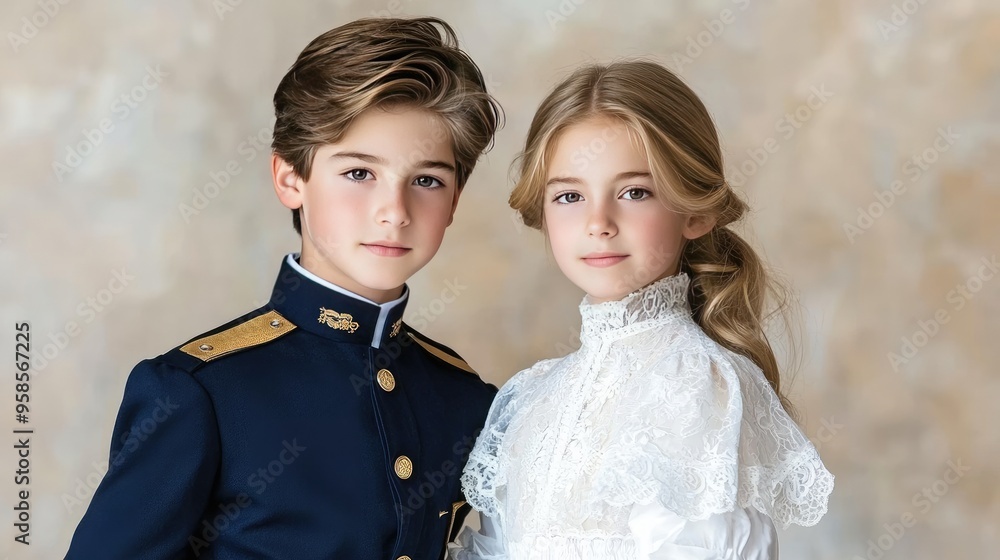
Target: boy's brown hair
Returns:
[382, 63]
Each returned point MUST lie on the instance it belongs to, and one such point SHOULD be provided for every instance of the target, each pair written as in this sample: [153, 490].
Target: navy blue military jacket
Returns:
[316, 427]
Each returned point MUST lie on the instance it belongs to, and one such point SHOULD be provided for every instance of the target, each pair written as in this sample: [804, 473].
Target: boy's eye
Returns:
[568, 198]
[637, 194]
[427, 181]
[358, 174]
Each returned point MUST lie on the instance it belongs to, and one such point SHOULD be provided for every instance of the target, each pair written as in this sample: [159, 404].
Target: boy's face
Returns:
[377, 202]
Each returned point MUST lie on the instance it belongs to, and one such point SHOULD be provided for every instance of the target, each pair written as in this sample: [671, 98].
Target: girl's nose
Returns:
[601, 224]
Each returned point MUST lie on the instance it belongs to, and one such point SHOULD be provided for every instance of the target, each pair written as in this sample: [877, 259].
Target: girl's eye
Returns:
[568, 198]
[427, 181]
[637, 194]
[358, 174]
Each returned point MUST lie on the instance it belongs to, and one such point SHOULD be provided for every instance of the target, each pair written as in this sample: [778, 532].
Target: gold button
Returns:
[404, 558]
[386, 380]
[404, 467]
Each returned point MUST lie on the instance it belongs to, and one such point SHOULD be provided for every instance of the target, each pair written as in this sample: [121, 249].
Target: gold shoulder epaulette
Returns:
[442, 355]
[256, 331]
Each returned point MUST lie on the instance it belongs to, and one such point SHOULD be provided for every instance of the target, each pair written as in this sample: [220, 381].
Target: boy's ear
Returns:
[696, 226]
[454, 205]
[287, 184]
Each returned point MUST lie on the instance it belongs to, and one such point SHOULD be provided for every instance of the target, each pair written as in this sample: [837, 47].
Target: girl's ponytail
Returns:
[728, 294]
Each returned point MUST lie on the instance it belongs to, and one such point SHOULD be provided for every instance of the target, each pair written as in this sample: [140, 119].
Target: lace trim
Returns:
[796, 492]
[657, 301]
[479, 483]
[483, 476]
[713, 462]
[799, 497]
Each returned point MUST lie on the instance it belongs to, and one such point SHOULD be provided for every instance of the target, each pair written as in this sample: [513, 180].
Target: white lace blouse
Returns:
[649, 442]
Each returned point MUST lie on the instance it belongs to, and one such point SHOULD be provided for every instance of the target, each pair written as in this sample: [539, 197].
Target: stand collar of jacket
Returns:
[325, 309]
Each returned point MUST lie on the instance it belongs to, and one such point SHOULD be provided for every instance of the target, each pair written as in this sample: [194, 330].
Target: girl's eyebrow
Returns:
[570, 180]
[633, 175]
[624, 175]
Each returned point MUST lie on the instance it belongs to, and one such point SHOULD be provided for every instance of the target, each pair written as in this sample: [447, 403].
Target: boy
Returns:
[320, 426]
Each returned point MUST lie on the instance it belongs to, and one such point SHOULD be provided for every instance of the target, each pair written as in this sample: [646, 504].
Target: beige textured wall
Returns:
[912, 103]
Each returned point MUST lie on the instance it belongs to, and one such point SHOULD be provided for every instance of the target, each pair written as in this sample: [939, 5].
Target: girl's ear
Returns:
[287, 184]
[696, 226]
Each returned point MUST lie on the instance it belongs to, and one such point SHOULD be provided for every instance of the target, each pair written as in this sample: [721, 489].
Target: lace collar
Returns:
[644, 308]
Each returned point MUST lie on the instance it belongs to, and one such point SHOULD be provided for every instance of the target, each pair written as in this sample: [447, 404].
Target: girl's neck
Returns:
[647, 307]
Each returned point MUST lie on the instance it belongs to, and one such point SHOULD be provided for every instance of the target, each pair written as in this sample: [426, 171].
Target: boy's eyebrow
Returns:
[427, 163]
[435, 164]
[362, 156]
[620, 177]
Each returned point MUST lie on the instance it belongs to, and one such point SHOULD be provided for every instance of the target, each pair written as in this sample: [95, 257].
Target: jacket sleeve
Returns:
[164, 458]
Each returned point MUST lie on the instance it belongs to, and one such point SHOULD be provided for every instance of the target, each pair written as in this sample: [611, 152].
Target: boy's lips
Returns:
[387, 248]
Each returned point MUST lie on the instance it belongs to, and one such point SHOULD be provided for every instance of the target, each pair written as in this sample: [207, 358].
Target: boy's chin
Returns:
[385, 283]
[384, 280]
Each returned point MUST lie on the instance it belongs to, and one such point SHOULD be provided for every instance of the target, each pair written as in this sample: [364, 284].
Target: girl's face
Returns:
[609, 232]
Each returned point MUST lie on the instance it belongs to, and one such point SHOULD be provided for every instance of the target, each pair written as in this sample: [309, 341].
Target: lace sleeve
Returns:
[781, 473]
[704, 434]
[483, 479]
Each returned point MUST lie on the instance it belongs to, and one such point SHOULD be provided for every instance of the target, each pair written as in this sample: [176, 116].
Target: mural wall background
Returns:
[864, 134]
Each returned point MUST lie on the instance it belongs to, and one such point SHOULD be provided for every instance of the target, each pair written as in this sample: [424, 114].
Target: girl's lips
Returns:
[603, 262]
[386, 251]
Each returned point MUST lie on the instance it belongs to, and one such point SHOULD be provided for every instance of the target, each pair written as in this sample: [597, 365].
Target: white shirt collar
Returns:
[384, 308]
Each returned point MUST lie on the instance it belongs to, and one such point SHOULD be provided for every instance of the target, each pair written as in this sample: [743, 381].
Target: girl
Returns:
[665, 436]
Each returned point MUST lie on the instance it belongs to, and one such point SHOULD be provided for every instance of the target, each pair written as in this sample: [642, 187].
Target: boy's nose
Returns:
[393, 208]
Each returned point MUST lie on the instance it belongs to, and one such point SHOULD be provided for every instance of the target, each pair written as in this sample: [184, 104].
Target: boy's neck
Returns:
[376, 297]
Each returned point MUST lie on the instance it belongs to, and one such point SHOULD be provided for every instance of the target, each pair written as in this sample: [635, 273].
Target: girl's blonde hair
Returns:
[729, 282]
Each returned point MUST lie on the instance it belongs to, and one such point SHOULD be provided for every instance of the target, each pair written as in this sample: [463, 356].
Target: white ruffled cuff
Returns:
[484, 545]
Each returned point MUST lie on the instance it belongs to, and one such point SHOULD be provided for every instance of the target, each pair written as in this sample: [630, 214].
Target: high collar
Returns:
[325, 309]
[644, 308]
